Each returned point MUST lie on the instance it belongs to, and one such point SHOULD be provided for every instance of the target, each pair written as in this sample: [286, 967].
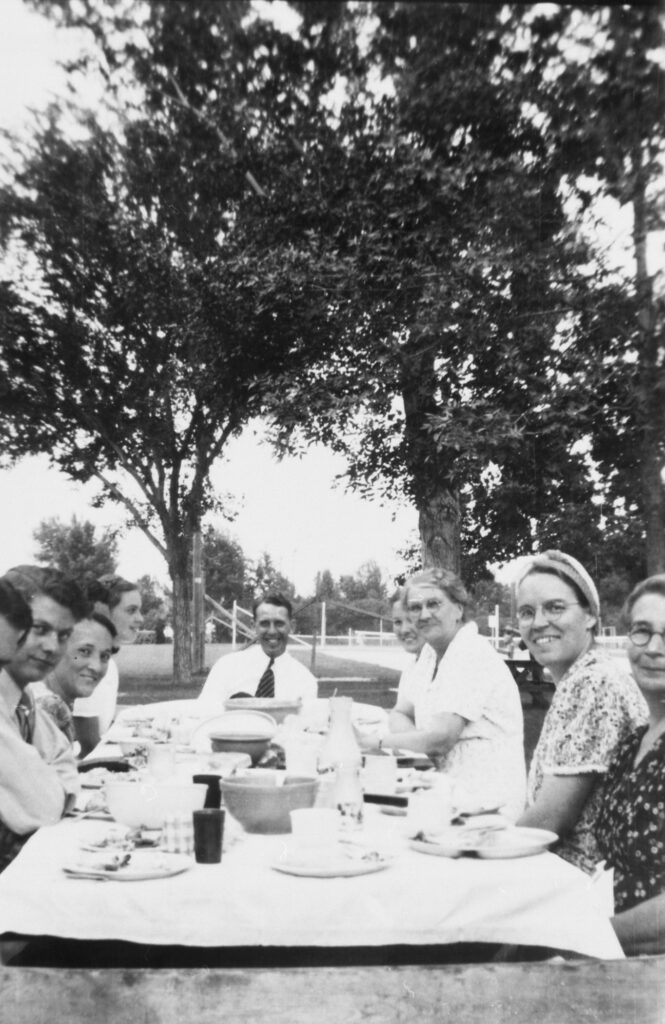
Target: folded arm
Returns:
[559, 803]
[32, 792]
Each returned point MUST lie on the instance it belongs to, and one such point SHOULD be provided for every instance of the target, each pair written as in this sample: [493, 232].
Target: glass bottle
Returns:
[339, 765]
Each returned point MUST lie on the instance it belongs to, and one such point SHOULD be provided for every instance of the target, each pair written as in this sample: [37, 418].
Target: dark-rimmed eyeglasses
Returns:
[551, 610]
[640, 636]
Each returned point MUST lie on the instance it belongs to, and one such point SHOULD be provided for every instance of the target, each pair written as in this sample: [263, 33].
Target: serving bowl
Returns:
[243, 732]
[148, 804]
[262, 801]
[273, 706]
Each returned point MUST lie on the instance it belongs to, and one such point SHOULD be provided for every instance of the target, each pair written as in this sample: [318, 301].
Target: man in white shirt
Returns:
[38, 775]
[265, 669]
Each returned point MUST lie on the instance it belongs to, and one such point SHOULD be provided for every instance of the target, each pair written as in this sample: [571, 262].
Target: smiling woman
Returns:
[81, 668]
[596, 704]
[459, 703]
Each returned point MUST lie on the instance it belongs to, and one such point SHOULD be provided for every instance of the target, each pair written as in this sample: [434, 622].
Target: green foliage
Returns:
[76, 549]
[225, 568]
[264, 577]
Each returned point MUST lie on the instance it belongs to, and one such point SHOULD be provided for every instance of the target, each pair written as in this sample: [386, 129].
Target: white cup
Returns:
[314, 828]
[430, 810]
[380, 774]
[161, 760]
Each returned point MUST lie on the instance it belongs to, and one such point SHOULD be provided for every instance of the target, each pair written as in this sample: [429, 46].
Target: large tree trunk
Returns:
[439, 525]
[652, 383]
[438, 505]
[180, 570]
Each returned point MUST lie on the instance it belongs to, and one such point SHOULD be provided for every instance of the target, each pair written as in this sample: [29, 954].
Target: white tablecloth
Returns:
[419, 900]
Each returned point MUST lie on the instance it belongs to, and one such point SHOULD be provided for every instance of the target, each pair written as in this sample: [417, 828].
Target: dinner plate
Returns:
[143, 865]
[123, 839]
[490, 844]
[436, 848]
[515, 842]
[342, 868]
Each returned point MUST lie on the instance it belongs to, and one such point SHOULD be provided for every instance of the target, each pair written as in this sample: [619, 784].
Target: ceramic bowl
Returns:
[262, 801]
[148, 804]
[242, 732]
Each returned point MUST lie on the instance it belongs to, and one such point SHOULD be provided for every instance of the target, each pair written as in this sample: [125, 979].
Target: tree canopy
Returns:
[368, 230]
[76, 549]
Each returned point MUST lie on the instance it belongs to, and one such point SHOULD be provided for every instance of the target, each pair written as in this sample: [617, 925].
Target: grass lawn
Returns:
[146, 677]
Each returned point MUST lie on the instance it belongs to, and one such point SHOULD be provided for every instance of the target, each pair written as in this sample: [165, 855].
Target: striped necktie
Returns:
[267, 682]
[25, 714]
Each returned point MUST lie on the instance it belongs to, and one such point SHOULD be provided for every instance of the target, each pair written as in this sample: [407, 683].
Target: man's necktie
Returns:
[267, 682]
[25, 713]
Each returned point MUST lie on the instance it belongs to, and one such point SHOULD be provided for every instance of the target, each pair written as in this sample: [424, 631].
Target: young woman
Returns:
[595, 705]
[120, 600]
[83, 665]
[631, 823]
[460, 705]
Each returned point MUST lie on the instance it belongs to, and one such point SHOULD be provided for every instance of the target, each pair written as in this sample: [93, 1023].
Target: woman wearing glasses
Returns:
[595, 705]
[631, 824]
[459, 704]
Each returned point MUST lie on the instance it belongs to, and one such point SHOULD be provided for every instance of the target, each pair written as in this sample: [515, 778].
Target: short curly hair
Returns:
[443, 579]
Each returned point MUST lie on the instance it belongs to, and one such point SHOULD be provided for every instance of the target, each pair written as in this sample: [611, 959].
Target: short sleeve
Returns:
[467, 675]
[598, 709]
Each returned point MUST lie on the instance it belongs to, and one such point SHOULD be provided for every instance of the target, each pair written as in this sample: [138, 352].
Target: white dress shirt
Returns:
[38, 780]
[241, 671]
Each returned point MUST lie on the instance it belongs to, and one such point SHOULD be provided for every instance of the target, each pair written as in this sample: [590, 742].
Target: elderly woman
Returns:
[120, 600]
[595, 705]
[460, 704]
[630, 828]
[84, 663]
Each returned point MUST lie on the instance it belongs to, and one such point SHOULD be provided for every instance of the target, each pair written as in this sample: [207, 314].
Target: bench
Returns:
[578, 992]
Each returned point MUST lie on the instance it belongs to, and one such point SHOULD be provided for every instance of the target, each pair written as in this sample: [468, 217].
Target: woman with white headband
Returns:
[596, 703]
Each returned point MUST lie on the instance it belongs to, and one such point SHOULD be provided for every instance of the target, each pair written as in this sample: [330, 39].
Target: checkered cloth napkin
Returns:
[178, 834]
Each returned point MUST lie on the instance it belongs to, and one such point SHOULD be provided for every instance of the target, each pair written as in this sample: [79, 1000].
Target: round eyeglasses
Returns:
[640, 636]
[552, 611]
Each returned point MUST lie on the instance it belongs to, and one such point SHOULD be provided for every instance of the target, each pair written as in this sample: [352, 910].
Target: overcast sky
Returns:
[292, 510]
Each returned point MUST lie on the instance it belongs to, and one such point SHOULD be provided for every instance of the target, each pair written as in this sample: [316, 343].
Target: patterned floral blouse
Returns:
[59, 711]
[631, 824]
[595, 706]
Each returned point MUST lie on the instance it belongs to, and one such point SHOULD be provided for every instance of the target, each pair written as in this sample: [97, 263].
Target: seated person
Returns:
[120, 601]
[78, 672]
[596, 703]
[38, 775]
[460, 704]
[630, 825]
[404, 629]
[265, 669]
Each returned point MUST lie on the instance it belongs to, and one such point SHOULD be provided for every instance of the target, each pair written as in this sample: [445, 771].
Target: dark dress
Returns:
[630, 828]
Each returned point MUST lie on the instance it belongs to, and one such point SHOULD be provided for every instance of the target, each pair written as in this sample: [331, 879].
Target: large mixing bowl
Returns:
[148, 803]
[262, 800]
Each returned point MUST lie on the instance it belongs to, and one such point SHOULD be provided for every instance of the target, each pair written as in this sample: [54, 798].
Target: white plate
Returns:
[344, 868]
[143, 865]
[515, 842]
[437, 849]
